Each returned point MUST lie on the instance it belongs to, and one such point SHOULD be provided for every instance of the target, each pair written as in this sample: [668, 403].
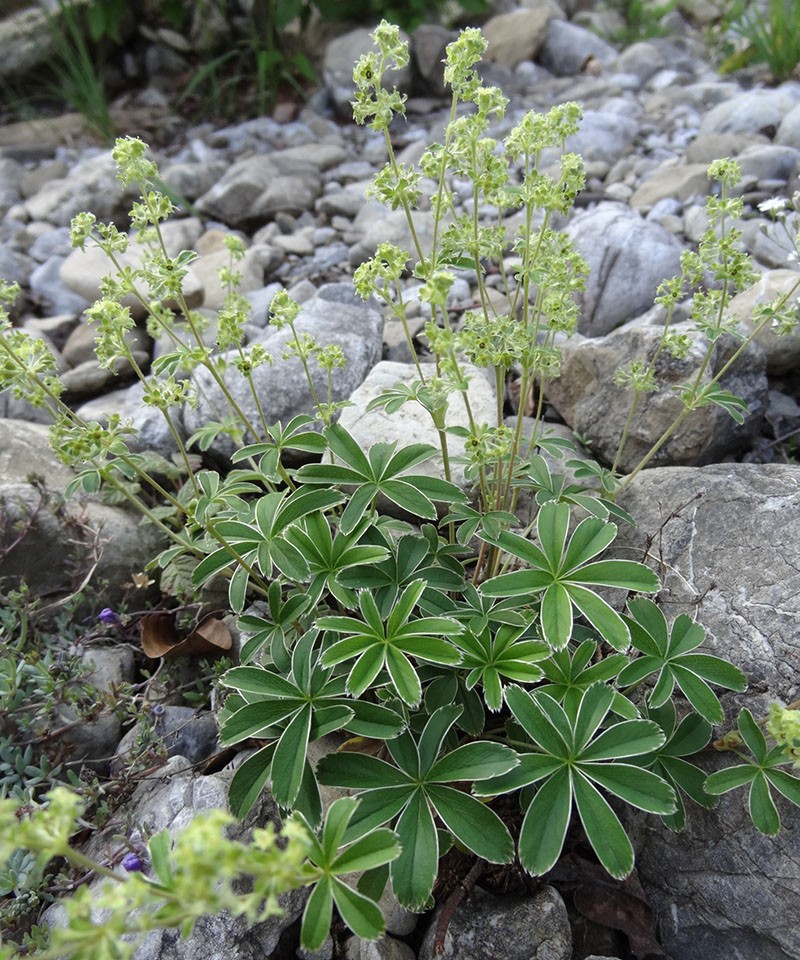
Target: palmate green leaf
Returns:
[761, 774]
[359, 771]
[237, 589]
[785, 784]
[668, 655]
[428, 646]
[602, 616]
[373, 720]
[523, 549]
[589, 539]
[258, 680]
[592, 710]
[556, 615]
[477, 827]
[406, 495]
[317, 915]
[537, 724]
[721, 781]
[290, 758]
[362, 915]
[603, 830]
[439, 724]
[327, 720]
[257, 720]
[569, 675]
[698, 693]
[328, 862]
[374, 850]
[404, 676]
[729, 402]
[763, 811]
[347, 449]
[564, 572]
[249, 780]
[475, 761]
[404, 606]
[751, 734]
[622, 574]
[373, 882]
[544, 828]
[414, 871]
[376, 808]
[630, 738]
[638, 787]
[532, 768]
[690, 736]
[687, 777]
[578, 755]
[552, 525]
[365, 670]
[328, 474]
[211, 565]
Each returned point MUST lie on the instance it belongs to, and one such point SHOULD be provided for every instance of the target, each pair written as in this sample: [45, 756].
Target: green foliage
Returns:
[75, 32]
[414, 789]
[571, 757]
[464, 656]
[328, 862]
[762, 772]
[409, 14]
[642, 19]
[771, 34]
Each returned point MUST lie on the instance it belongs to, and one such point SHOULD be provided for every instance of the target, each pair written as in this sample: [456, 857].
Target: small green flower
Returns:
[133, 165]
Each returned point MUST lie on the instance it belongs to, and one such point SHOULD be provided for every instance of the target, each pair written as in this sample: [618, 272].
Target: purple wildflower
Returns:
[132, 863]
[108, 616]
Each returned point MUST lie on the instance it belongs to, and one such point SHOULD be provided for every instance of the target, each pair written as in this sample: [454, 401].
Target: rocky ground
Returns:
[719, 512]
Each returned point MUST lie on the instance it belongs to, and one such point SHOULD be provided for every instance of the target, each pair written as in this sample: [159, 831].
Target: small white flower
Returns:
[774, 205]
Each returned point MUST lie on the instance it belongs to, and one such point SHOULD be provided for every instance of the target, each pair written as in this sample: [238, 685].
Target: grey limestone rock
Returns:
[90, 184]
[384, 227]
[628, 258]
[782, 352]
[334, 316]
[96, 740]
[678, 181]
[79, 529]
[592, 405]
[11, 175]
[50, 290]
[602, 136]
[568, 48]
[257, 188]
[516, 928]
[182, 731]
[82, 271]
[716, 531]
[151, 431]
[789, 129]
[643, 59]
[770, 162]
[168, 800]
[428, 44]
[723, 540]
[518, 35]
[753, 111]
[387, 948]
